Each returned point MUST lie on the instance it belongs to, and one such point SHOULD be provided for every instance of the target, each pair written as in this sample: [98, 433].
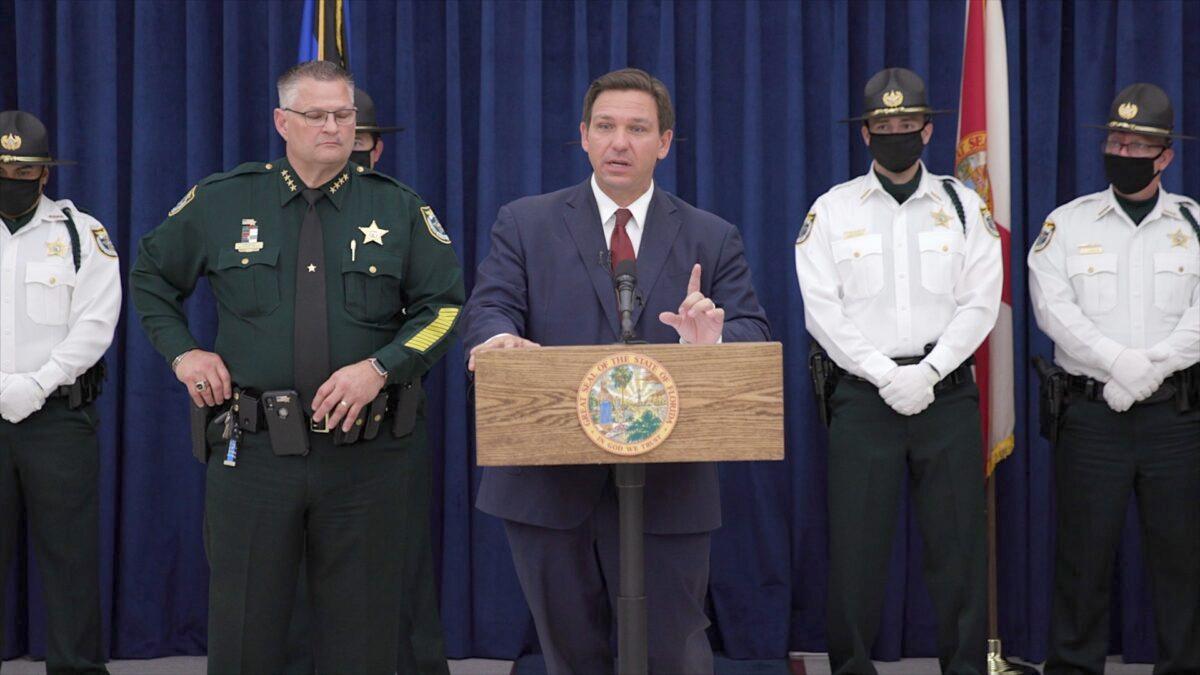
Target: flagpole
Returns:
[982, 163]
[996, 663]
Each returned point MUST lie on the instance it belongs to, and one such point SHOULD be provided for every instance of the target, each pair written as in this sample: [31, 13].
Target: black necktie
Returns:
[311, 356]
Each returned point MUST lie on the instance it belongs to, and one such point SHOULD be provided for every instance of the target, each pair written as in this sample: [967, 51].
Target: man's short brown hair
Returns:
[322, 71]
[632, 79]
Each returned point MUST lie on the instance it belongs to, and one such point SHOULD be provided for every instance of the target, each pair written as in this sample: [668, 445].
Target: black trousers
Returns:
[1152, 451]
[422, 641]
[49, 466]
[871, 450]
[343, 510]
[570, 579]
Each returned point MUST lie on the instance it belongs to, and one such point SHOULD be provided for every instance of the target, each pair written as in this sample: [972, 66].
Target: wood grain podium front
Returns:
[629, 405]
[730, 404]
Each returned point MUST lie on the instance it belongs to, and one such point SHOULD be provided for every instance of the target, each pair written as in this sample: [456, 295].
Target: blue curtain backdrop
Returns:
[152, 96]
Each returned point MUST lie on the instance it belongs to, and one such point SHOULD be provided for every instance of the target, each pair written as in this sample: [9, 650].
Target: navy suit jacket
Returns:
[546, 279]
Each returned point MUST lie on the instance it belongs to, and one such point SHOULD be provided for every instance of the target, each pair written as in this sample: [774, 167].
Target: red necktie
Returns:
[620, 246]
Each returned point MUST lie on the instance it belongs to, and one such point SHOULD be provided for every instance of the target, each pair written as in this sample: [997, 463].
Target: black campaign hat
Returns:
[1142, 108]
[894, 91]
[366, 114]
[23, 140]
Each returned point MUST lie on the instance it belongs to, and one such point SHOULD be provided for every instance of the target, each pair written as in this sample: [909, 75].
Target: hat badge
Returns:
[10, 142]
[1127, 110]
[893, 98]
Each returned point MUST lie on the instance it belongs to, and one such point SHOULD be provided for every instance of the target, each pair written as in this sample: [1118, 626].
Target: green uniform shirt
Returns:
[397, 300]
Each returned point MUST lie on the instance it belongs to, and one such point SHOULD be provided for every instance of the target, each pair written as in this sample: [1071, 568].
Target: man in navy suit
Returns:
[547, 281]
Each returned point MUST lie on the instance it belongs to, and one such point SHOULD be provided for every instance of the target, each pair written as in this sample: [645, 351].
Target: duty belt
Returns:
[958, 376]
[1179, 385]
[252, 416]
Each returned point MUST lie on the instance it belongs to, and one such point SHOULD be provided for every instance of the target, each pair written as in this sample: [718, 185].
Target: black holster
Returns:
[1052, 398]
[85, 388]
[408, 402]
[199, 417]
[824, 373]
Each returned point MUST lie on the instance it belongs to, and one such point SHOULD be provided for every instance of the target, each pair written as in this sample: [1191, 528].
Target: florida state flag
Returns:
[981, 161]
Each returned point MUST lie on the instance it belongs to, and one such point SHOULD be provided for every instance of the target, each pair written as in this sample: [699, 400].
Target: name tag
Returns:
[850, 234]
[1090, 249]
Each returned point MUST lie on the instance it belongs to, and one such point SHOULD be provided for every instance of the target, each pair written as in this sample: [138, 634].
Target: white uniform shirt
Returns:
[1100, 283]
[880, 280]
[56, 323]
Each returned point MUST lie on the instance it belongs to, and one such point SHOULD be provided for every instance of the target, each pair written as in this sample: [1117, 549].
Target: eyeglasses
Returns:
[1133, 149]
[317, 118]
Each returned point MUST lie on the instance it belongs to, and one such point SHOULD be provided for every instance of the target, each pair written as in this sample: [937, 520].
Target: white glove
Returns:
[1136, 373]
[911, 388]
[1117, 397]
[1158, 352]
[22, 397]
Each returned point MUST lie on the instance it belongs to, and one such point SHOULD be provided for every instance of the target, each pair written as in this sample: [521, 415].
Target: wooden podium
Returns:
[628, 405]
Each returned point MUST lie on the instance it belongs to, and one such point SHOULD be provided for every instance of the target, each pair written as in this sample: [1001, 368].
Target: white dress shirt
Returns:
[608, 214]
[1100, 283]
[56, 323]
[880, 280]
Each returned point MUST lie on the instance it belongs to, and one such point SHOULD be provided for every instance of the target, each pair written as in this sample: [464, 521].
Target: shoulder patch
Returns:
[103, 242]
[988, 221]
[435, 228]
[806, 228]
[1044, 237]
[187, 199]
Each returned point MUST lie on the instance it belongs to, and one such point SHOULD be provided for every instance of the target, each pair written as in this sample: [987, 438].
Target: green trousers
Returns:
[872, 449]
[344, 511]
[422, 642]
[1153, 453]
[49, 468]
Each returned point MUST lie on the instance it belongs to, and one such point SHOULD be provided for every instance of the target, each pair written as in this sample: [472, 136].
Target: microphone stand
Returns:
[630, 481]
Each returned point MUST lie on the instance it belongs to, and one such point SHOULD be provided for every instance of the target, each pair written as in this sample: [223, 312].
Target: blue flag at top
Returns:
[325, 32]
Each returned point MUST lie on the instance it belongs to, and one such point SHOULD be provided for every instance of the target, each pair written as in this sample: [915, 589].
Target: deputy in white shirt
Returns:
[901, 275]
[60, 296]
[1115, 282]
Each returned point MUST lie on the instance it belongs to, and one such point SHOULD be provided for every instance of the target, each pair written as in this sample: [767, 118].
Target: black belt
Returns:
[251, 416]
[396, 402]
[958, 376]
[1093, 389]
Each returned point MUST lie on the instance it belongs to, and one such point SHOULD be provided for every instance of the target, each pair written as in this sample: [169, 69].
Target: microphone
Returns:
[625, 283]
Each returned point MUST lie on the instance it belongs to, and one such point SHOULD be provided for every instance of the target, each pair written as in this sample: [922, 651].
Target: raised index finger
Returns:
[694, 281]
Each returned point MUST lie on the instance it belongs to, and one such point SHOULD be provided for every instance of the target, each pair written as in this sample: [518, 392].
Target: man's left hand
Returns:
[22, 397]
[346, 393]
[699, 320]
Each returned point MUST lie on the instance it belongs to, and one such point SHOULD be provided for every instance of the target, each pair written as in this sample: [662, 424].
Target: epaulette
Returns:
[372, 173]
[239, 170]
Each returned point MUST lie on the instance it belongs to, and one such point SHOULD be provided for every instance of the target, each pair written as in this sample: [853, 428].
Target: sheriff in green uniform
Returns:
[336, 290]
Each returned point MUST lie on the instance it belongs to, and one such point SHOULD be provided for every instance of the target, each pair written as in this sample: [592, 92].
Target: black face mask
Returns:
[1129, 175]
[18, 197]
[897, 152]
[361, 158]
